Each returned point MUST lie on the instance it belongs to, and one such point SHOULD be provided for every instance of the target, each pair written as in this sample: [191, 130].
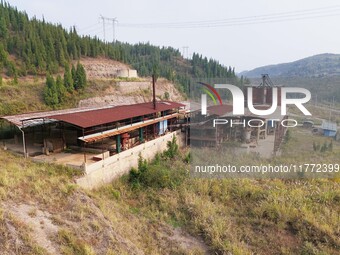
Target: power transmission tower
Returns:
[114, 21]
[103, 19]
[266, 81]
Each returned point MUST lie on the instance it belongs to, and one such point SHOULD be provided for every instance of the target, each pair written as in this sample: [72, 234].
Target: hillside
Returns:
[31, 49]
[34, 47]
[27, 95]
[314, 66]
[157, 208]
[165, 212]
[320, 74]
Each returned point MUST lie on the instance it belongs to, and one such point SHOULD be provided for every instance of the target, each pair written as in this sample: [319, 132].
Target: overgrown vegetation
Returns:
[325, 147]
[158, 175]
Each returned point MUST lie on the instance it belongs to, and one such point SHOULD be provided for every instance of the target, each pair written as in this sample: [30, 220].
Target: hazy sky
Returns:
[243, 46]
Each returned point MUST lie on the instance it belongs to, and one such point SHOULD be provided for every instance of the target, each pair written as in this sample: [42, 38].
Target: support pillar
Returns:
[24, 143]
[118, 144]
[141, 138]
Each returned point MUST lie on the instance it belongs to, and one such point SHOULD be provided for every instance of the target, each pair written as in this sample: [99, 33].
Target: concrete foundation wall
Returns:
[129, 73]
[112, 167]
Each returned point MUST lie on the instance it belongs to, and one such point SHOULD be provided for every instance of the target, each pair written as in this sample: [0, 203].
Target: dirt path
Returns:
[40, 223]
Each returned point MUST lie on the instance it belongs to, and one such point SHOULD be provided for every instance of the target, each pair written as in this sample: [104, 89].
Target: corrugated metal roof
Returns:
[90, 116]
[98, 117]
[38, 118]
[329, 125]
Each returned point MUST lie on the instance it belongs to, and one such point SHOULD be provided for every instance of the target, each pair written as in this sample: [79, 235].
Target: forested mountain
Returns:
[315, 66]
[34, 47]
[320, 74]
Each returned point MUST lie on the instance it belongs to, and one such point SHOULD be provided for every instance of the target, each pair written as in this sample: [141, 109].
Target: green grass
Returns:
[246, 216]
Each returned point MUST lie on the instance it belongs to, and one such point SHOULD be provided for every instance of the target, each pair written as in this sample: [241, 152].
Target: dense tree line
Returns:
[57, 90]
[41, 47]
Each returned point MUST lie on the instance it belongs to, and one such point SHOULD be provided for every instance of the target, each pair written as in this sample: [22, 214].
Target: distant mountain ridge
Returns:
[326, 64]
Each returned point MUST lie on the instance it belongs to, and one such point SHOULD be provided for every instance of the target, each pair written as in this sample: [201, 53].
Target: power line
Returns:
[90, 27]
[268, 18]
[93, 29]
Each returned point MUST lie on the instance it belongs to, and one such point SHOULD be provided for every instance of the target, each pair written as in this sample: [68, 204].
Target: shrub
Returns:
[156, 175]
[172, 150]
[288, 136]
[72, 245]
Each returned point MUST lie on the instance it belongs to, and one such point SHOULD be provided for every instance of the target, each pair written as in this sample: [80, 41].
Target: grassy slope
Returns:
[238, 215]
[21, 98]
[27, 95]
[86, 222]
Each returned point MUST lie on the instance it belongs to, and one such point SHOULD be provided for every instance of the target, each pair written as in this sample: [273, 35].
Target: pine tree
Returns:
[68, 81]
[61, 90]
[80, 81]
[3, 28]
[74, 76]
[50, 92]
[3, 55]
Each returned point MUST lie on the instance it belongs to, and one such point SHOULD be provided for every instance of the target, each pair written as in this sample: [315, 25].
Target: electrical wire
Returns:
[249, 20]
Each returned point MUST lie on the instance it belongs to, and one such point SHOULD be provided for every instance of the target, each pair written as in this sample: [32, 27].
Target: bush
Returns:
[156, 175]
[136, 174]
[288, 136]
[187, 158]
[172, 150]
[325, 147]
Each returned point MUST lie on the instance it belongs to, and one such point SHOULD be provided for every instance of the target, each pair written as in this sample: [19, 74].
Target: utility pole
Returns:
[154, 79]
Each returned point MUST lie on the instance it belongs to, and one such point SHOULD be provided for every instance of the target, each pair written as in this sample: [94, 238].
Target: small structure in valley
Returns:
[329, 128]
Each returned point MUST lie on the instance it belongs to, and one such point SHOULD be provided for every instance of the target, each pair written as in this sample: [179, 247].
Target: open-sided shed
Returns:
[123, 126]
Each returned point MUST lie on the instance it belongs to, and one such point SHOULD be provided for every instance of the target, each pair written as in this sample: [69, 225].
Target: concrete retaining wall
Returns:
[129, 73]
[112, 167]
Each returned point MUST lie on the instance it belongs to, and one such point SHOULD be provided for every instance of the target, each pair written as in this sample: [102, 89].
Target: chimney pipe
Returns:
[154, 91]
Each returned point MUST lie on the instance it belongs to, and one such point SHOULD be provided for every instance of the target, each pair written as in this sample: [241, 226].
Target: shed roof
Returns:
[98, 117]
[90, 116]
[327, 125]
[38, 118]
